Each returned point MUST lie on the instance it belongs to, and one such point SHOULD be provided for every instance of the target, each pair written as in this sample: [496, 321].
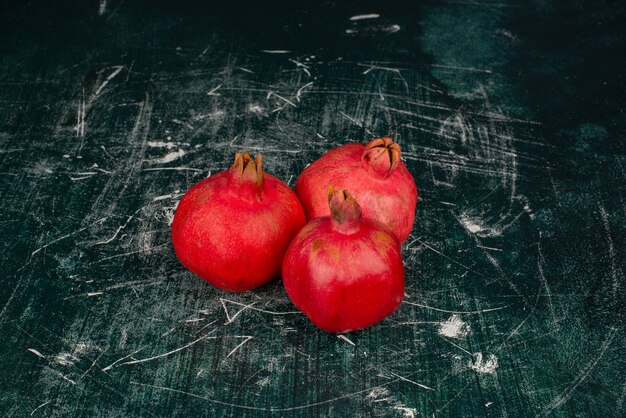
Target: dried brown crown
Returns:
[381, 156]
[345, 212]
[247, 170]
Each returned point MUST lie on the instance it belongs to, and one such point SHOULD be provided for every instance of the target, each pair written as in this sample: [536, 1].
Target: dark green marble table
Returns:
[511, 119]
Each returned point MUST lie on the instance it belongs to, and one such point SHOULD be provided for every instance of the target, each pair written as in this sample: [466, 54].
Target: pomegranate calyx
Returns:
[247, 170]
[381, 156]
[345, 211]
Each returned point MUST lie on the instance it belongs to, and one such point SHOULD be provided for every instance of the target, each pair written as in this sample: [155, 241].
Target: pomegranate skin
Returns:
[234, 233]
[384, 187]
[344, 280]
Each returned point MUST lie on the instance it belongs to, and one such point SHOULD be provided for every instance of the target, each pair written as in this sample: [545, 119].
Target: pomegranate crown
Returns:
[345, 212]
[381, 156]
[247, 170]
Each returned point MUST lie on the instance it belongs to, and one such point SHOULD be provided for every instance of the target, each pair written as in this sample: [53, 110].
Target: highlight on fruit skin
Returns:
[344, 271]
[374, 171]
[232, 229]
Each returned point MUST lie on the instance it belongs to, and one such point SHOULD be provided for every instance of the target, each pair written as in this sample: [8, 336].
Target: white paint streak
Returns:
[480, 365]
[161, 144]
[346, 339]
[391, 28]
[406, 412]
[365, 16]
[454, 327]
[35, 352]
[169, 157]
[472, 225]
[65, 359]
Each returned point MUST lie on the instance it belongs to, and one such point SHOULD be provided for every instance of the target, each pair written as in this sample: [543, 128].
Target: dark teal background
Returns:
[510, 116]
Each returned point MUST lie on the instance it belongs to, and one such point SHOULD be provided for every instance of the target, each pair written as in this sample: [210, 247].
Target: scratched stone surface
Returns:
[510, 117]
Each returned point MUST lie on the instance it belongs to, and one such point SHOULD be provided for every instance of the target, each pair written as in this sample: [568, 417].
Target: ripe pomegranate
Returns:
[344, 272]
[381, 183]
[233, 228]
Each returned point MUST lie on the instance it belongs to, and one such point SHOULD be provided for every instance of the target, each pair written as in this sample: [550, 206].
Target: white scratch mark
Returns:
[180, 122]
[102, 8]
[346, 339]
[356, 122]
[488, 248]
[257, 408]
[43, 404]
[616, 273]
[118, 69]
[144, 360]
[66, 236]
[119, 228]
[213, 91]
[81, 177]
[409, 380]
[304, 67]
[193, 320]
[245, 70]
[110, 366]
[566, 395]
[454, 327]
[91, 294]
[80, 120]
[470, 69]
[458, 312]
[457, 346]
[479, 365]
[247, 338]
[173, 169]
[441, 254]
[162, 197]
[64, 377]
[299, 92]
[365, 16]
[276, 51]
[289, 102]
[230, 319]
[544, 281]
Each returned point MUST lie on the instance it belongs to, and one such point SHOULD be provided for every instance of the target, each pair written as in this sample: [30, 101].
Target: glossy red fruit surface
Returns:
[344, 272]
[377, 176]
[233, 228]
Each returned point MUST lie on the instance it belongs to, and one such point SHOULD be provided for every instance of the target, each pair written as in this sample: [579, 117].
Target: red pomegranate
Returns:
[375, 173]
[233, 228]
[344, 272]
